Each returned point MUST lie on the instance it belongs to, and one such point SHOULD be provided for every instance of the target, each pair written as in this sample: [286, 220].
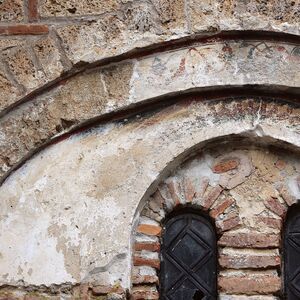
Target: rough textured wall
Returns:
[113, 74]
[41, 40]
[274, 66]
[77, 201]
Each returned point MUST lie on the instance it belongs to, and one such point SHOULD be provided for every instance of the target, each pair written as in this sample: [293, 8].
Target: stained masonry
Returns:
[114, 113]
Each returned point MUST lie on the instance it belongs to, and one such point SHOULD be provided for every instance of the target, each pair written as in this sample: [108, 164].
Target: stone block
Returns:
[99, 290]
[11, 11]
[63, 8]
[117, 79]
[49, 57]
[8, 91]
[21, 64]
[221, 15]
[172, 14]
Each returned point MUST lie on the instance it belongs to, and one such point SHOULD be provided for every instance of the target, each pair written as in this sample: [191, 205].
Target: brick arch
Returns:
[213, 182]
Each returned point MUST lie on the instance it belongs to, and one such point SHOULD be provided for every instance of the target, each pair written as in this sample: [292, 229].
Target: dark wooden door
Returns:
[188, 262]
[292, 255]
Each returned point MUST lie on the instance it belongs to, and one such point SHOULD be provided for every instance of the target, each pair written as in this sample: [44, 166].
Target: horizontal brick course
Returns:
[149, 229]
[141, 261]
[258, 284]
[24, 29]
[155, 247]
[269, 222]
[143, 279]
[144, 292]
[244, 261]
[249, 240]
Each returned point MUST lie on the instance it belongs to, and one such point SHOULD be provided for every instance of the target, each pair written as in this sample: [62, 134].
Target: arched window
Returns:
[292, 254]
[188, 258]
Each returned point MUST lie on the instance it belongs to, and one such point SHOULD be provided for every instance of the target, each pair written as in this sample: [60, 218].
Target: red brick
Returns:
[144, 279]
[219, 209]
[189, 190]
[149, 229]
[276, 207]
[225, 166]
[249, 240]
[144, 292]
[33, 10]
[287, 197]
[228, 223]
[269, 222]
[24, 29]
[249, 285]
[244, 261]
[154, 247]
[212, 197]
[140, 261]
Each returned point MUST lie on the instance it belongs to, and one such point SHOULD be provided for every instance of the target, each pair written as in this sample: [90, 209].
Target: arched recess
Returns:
[246, 191]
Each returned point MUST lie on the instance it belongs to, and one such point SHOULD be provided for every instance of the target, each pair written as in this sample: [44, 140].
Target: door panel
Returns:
[292, 255]
[188, 262]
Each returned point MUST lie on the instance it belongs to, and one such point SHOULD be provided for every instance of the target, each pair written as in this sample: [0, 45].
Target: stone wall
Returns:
[106, 104]
[41, 41]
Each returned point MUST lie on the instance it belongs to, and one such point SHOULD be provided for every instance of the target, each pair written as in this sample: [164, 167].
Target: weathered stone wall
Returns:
[42, 40]
[103, 102]
[77, 201]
